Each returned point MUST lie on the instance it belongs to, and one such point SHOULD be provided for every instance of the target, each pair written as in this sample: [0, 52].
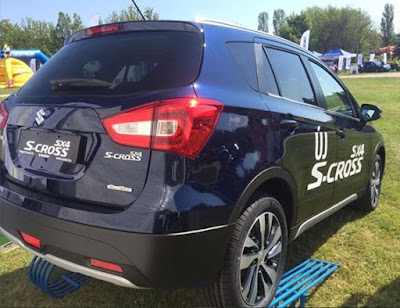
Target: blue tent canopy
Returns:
[336, 53]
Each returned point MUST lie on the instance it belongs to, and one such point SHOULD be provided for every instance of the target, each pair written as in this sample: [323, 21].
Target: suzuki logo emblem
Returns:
[40, 119]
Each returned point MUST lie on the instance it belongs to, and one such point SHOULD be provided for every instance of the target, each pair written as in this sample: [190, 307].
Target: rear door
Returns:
[350, 171]
[56, 140]
[305, 131]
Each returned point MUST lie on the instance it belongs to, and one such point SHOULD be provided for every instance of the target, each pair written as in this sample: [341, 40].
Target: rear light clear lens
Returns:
[3, 115]
[181, 125]
[132, 128]
[29, 239]
[106, 265]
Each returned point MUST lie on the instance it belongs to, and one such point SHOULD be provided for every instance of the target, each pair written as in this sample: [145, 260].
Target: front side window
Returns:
[291, 76]
[336, 98]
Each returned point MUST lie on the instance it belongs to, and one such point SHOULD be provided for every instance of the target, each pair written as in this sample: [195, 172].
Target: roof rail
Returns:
[224, 23]
[227, 24]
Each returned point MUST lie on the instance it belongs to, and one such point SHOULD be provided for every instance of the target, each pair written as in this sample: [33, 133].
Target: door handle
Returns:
[293, 124]
[340, 132]
[290, 125]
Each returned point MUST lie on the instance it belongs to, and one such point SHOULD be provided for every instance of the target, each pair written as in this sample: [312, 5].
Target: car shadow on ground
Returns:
[20, 292]
[384, 297]
[312, 239]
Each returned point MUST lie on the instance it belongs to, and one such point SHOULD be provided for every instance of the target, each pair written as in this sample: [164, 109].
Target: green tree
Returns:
[346, 28]
[37, 35]
[331, 27]
[64, 28]
[387, 28]
[294, 27]
[278, 19]
[129, 14]
[9, 33]
[150, 14]
[263, 20]
[29, 34]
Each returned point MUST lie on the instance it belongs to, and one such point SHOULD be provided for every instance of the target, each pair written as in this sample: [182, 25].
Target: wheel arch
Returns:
[382, 153]
[276, 182]
[379, 149]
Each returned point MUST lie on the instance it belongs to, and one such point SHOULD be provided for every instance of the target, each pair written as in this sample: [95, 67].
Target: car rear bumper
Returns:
[187, 259]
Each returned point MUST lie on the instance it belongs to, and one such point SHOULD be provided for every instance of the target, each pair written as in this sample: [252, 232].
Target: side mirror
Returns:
[370, 112]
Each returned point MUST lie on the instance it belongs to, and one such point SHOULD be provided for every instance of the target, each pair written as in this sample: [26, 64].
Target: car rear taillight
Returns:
[181, 125]
[3, 115]
[106, 265]
[29, 239]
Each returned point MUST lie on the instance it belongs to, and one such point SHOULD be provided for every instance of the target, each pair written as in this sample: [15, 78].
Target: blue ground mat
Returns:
[40, 272]
[299, 280]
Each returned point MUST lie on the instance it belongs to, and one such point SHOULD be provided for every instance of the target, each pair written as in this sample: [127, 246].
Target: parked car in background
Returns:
[375, 66]
[395, 66]
[332, 66]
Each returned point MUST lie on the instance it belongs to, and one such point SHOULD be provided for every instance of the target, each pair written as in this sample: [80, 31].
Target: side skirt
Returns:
[321, 216]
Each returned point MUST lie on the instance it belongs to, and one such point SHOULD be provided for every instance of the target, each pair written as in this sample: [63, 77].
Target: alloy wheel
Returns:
[375, 184]
[259, 261]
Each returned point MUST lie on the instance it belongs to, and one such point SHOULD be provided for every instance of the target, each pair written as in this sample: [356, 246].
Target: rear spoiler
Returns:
[133, 26]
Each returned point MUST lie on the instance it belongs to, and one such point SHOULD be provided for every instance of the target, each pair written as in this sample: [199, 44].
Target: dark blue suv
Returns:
[177, 154]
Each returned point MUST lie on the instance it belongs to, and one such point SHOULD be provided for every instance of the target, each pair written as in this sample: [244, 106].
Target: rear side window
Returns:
[336, 98]
[291, 77]
[244, 57]
[121, 63]
[266, 78]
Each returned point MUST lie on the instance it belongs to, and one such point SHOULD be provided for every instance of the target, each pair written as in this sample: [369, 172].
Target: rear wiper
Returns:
[77, 83]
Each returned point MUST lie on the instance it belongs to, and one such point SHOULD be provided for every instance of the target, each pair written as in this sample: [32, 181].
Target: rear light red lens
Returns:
[29, 239]
[102, 29]
[106, 265]
[184, 125]
[181, 125]
[3, 115]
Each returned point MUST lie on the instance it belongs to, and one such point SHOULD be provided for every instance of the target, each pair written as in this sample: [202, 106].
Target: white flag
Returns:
[385, 58]
[305, 39]
[360, 59]
[340, 63]
[372, 57]
[348, 63]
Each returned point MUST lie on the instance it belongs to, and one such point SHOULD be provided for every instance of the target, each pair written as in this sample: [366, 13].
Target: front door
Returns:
[305, 132]
[350, 171]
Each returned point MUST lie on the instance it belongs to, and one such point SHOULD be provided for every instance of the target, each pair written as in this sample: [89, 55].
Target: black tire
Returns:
[370, 200]
[227, 290]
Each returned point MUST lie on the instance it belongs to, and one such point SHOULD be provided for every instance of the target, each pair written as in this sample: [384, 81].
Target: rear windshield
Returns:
[120, 64]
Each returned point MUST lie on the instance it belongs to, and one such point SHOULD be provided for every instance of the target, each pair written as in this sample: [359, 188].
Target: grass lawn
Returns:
[5, 92]
[3, 239]
[366, 246]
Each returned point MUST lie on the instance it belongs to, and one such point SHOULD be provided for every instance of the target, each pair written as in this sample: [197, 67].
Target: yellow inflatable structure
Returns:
[13, 73]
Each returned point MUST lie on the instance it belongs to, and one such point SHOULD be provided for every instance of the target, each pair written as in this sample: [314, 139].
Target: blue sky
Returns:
[234, 11]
